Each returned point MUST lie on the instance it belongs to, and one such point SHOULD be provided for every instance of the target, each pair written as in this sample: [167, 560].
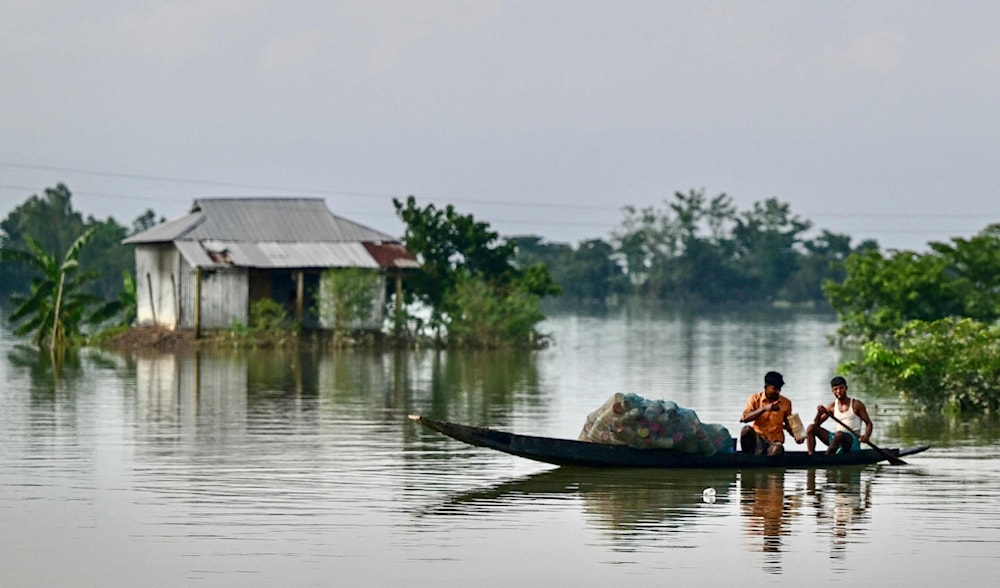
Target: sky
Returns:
[880, 120]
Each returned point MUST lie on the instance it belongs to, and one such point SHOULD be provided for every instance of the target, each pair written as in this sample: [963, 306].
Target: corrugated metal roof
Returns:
[169, 231]
[271, 255]
[195, 255]
[260, 219]
[275, 233]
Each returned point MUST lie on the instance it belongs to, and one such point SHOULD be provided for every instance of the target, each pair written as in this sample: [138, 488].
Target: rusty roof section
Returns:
[392, 255]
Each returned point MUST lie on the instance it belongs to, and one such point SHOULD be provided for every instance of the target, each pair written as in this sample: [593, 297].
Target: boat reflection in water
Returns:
[636, 508]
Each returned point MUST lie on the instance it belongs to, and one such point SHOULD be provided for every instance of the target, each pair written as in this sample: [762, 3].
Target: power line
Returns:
[522, 205]
[286, 189]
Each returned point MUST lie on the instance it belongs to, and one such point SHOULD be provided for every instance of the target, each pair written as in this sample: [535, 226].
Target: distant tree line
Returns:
[699, 251]
[54, 225]
[61, 272]
[694, 250]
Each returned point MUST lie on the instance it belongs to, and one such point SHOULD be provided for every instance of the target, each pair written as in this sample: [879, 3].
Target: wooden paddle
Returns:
[892, 458]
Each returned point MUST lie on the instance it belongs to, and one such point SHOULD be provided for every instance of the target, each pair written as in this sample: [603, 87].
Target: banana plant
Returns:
[56, 306]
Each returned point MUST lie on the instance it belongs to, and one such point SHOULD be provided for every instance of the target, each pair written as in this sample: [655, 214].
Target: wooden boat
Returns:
[570, 452]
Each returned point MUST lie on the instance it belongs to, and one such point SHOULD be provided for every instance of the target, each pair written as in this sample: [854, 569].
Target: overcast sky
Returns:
[876, 119]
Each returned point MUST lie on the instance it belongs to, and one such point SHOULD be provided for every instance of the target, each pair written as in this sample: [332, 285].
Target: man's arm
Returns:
[750, 412]
[823, 413]
[862, 411]
[753, 414]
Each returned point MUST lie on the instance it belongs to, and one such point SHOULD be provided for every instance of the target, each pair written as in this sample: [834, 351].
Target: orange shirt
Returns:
[771, 424]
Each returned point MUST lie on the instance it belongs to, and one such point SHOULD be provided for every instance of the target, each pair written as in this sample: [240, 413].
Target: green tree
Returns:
[591, 272]
[532, 249]
[684, 252]
[55, 309]
[697, 249]
[453, 247]
[649, 241]
[703, 270]
[50, 220]
[767, 242]
[54, 224]
[587, 273]
[880, 294]
[823, 261]
[146, 220]
[975, 265]
[106, 257]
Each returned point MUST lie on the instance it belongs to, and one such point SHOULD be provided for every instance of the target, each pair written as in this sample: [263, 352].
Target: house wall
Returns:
[224, 298]
[166, 287]
[157, 269]
[186, 290]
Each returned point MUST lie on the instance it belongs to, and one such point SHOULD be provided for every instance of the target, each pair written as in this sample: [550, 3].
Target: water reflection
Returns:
[945, 430]
[47, 371]
[767, 513]
[635, 508]
[218, 393]
[838, 500]
[841, 499]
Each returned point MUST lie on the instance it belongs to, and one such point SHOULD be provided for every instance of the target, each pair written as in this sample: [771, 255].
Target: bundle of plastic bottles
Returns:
[630, 419]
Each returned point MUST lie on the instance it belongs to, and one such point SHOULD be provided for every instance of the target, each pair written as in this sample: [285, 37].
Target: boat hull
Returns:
[569, 452]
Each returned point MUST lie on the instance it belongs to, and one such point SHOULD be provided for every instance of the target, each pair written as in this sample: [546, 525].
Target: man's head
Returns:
[839, 386]
[773, 383]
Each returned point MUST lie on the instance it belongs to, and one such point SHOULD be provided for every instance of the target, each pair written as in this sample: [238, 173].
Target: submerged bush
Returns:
[485, 316]
[267, 315]
[949, 364]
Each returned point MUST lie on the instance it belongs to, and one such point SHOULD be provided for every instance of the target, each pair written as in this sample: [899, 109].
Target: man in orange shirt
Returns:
[768, 410]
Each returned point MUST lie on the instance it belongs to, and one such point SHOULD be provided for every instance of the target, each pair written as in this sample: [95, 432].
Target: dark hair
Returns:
[774, 379]
[838, 381]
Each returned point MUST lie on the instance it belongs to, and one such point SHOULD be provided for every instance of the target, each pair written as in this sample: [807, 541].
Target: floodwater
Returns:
[264, 468]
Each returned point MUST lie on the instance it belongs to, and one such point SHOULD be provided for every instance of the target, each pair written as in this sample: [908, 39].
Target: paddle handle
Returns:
[894, 460]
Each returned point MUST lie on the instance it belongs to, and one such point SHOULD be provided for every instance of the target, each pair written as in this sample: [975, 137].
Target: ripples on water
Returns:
[264, 468]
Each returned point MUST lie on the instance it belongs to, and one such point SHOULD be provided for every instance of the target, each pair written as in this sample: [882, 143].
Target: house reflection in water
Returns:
[268, 389]
[185, 391]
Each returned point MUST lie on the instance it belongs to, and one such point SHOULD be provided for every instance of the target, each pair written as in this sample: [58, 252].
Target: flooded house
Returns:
[206, 269]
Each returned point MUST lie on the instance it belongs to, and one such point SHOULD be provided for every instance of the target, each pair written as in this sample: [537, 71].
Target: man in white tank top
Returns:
[851, 411]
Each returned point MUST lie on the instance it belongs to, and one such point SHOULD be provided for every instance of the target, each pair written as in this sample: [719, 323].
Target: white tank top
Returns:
[850, 419]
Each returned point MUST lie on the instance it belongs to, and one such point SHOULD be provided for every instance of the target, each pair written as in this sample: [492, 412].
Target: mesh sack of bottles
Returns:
[630, 419]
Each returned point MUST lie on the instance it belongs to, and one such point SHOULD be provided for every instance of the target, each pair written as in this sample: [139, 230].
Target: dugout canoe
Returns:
[570, 452]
